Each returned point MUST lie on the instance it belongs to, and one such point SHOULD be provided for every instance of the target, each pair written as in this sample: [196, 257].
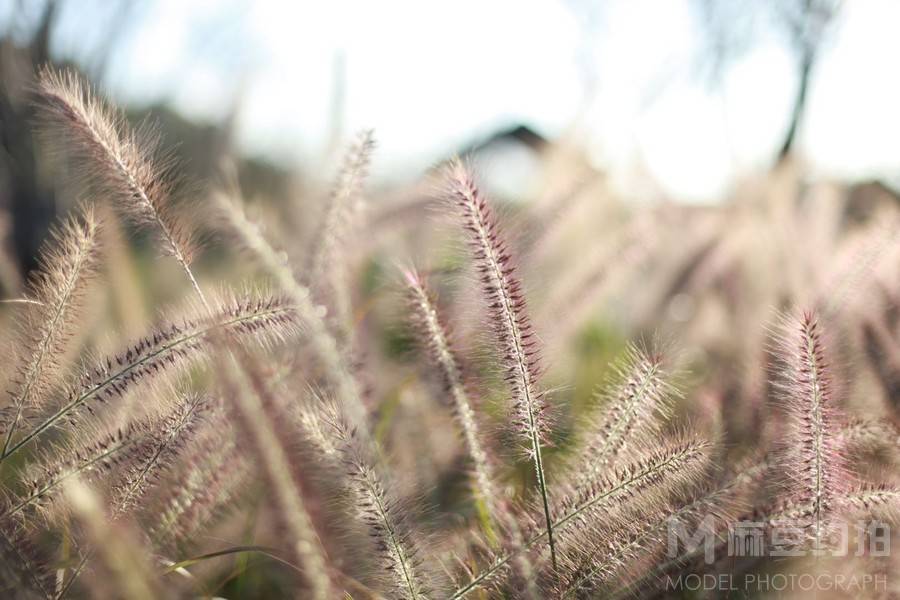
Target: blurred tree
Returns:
[30, 204]
[805, 22]
[732, 28]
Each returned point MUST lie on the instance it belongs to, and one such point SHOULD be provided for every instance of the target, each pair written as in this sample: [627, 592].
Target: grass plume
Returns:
[212, 479]
[57, 289]
[518, 345]
[311, 315]
[328, 255]
[815, 464]
[665, 470]
[118, 161]
[381, 515]
[630, 414]
[263, 319]
[436, 340]
[159, 448]
[101, 453]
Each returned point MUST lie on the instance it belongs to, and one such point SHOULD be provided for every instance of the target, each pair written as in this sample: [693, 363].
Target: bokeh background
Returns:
[670, 99]
[687, 93]
[679, 171]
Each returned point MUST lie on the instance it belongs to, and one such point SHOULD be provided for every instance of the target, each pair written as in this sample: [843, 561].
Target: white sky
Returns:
[429, 76]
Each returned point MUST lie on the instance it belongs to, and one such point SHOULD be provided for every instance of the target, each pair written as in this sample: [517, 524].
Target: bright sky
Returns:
[430, 76]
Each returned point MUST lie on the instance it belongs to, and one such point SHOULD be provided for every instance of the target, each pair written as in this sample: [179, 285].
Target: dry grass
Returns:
[288, 443]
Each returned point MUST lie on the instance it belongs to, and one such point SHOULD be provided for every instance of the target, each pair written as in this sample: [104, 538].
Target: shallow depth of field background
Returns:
[670, 99]
[722, 115]
[673, 170]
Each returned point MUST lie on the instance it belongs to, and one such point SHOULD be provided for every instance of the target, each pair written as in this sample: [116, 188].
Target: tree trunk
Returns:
[799, 108]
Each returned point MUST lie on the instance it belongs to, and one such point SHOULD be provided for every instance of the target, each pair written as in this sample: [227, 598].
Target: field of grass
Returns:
[430, 392]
